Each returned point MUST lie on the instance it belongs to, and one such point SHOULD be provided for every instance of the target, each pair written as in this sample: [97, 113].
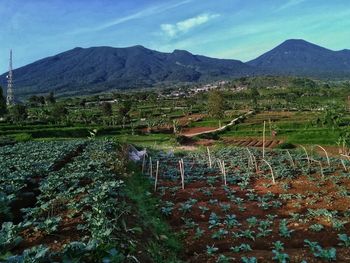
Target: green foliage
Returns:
[216, 104]
[22, 137]
[345, 240]
[3, 107]
[106, 108]
[59, 112]
[18, 112]
[319, 252]
[286, 145]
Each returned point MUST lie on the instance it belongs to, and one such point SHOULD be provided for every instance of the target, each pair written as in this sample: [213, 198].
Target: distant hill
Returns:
[301, 58]
[97, 69]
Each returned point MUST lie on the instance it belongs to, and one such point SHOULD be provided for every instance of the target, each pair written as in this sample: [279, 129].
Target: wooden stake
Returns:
[344, 166]
[156, 180]
[291, 158]
[264, 139]
[329, 163]
[150, 166]
[209, 157]
[252, 160]
[182, 173]
[224, 172]
[143, 163]
[307, 156]
[272, 175]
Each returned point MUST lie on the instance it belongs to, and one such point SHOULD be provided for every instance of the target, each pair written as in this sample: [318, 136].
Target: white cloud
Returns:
[172, 30]
[153, 10]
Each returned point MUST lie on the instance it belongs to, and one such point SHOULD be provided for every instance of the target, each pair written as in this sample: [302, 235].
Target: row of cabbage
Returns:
[24, 163]
[86, 191]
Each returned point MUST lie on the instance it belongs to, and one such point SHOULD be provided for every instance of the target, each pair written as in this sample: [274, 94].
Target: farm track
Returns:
[207, 130]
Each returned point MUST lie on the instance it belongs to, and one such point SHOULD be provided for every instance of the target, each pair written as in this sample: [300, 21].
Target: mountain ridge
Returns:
[99, 69]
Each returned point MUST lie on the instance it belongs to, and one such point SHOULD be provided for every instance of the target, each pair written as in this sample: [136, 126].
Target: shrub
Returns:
[23, 137]
[286, 145]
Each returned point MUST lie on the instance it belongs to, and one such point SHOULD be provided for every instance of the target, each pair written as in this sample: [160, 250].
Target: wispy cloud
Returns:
[173, 30]
[289, 4]
[141, 14]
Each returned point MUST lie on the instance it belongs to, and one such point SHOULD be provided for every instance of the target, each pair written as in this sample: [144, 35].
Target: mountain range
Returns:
[99, 69]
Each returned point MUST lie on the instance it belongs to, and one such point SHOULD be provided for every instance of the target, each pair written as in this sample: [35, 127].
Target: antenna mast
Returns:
[10, 97]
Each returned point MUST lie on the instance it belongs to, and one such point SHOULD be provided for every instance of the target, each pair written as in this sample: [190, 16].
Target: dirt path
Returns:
[206, 130]
[190, 132]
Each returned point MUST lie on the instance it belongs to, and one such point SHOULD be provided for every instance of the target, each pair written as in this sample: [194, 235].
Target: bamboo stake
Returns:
[220, 166]
[272, 175]
[182, 173]
[143, 163]
[320, 163]
[347, 156]
[291, 158]
[264, 139]
[307, 156]
[329, 163]
[150, 166]
[224, 172]
[156, 180]
[209, 157]
[344, 166]
[253, 160]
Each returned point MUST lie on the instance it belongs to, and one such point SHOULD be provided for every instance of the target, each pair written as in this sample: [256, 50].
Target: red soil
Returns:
[195, 249]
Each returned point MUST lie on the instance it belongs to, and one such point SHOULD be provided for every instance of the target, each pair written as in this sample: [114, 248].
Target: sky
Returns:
[235, 29]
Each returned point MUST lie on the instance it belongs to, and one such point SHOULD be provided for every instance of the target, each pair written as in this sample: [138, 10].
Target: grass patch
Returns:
[163, 246]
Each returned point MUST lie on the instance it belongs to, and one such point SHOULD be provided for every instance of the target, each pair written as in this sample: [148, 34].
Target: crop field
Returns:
[291, 126]
[233, 205]
[60, 201]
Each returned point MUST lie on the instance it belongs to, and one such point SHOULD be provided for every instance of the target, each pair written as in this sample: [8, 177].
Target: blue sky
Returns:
[239, 29]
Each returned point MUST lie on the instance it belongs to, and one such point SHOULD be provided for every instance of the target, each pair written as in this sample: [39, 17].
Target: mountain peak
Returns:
[181, 52]
[299, 44]
[299, 57]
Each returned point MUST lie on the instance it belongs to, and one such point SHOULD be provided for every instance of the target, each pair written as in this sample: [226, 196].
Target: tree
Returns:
[3, 107]
[35, 100]
[216, 104]
[82, 103]
[254, 95]
[50, 99]
[124, 108]
[19, 112]
[59, 111]
[106, 108]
